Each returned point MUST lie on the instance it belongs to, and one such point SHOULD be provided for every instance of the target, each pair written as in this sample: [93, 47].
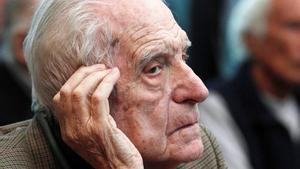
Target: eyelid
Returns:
[187, 46]
[152, 65]
[292, 25]
[185, 56]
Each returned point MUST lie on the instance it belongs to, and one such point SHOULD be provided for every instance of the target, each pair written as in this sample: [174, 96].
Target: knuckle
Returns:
[56, 98]
[77, 95]
[65, 91]
[97, 98]
[81, 69]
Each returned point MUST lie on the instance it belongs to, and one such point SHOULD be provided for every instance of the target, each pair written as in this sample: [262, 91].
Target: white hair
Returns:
[65, 35]
[247, 16]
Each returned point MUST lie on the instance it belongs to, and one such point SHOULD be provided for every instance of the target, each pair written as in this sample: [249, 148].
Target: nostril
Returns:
[192, 89]
[204, 93]
[199, 90]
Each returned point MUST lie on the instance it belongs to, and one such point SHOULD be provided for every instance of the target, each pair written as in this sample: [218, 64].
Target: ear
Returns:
[253, 44]
[17, 47]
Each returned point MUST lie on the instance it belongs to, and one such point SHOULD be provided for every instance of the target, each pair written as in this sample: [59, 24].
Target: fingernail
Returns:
[115, 69]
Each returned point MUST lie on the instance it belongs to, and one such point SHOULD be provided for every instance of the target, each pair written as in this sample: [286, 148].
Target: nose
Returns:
[188, 87]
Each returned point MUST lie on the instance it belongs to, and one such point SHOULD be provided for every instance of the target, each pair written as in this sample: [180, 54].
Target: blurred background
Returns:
[205, 22]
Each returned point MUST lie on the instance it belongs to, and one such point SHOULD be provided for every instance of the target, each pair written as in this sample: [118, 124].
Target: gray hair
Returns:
[65, 35]
[247, 16]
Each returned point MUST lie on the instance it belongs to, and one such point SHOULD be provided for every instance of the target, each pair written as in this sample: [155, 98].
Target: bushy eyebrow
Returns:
[157, 53]
[148, 57]
[187, 46]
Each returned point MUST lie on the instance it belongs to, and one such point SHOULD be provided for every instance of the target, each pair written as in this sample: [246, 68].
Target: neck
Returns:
[269, 83]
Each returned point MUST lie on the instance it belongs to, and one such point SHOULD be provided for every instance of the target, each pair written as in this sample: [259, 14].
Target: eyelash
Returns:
[185, 57]
[156, 67]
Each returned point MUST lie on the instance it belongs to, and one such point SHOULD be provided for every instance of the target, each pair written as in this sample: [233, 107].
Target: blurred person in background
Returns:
[2, 2]
[15, 86]
[227, 64]
[255, 115]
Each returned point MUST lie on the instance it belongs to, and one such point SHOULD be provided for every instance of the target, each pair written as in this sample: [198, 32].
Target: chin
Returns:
[190, 152]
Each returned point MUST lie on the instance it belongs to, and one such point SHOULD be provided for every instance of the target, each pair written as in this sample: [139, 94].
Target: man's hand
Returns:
[82, 109]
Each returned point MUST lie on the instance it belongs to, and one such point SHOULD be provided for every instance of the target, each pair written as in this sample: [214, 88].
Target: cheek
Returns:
[146, 128]
[280, 53]
[289, 47]
[286, 44]
[289, 73]
[286, 71]
[284, 55]
[142, 116]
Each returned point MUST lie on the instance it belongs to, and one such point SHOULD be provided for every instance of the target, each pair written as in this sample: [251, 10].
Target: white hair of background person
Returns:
[247, 16]
[63, 36]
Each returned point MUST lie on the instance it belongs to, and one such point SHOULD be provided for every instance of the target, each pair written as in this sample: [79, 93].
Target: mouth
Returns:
[185, 126]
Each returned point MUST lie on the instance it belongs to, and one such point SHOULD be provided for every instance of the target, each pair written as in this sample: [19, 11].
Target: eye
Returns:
[292, 25]
[185, 57]
[153, 69]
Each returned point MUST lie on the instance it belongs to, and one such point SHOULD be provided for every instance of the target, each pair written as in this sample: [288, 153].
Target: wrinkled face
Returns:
[157, 93]
[280, 49]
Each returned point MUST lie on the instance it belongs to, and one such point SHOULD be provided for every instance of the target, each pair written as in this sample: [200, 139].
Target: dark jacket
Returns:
[269, 143]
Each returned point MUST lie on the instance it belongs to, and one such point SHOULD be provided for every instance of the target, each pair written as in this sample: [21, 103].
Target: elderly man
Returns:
[91, 115]
[255, 115]
[15, 86]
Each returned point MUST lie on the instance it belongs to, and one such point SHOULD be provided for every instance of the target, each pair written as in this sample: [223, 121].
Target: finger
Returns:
[64, 101]
[60, 111]
[99, 100]
[82, 93]
[76, 78]
[56, 100]
[83, 72]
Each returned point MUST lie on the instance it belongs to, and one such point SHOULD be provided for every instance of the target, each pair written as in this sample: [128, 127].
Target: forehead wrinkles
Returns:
[129, 12]
[144, 37]
[139, 32]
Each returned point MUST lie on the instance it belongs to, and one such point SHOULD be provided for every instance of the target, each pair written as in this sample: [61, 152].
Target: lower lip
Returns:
[189, 127]
[189, 133]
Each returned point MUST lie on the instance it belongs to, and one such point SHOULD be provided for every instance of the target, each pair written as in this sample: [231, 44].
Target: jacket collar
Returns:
[63, 155]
